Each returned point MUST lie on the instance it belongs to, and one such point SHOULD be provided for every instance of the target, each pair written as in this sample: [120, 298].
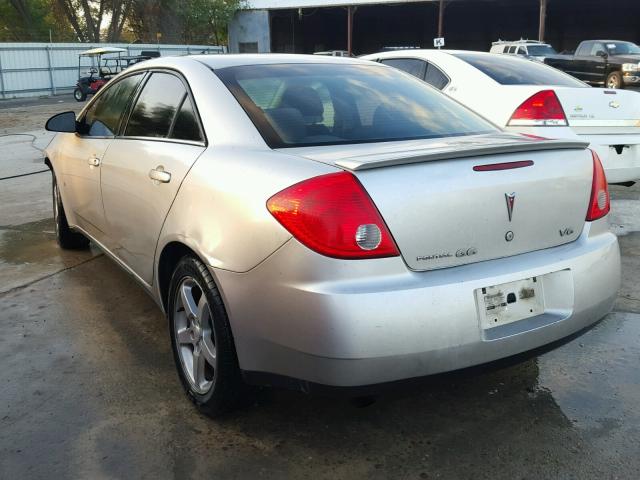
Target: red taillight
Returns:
[333, 215]
[600, 203]
[541, 109]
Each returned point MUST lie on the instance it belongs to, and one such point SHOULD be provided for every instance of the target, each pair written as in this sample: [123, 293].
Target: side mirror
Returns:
[62, 122]
[602, 53]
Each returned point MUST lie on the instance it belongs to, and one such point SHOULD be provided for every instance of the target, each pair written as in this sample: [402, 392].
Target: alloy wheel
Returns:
[195, 336]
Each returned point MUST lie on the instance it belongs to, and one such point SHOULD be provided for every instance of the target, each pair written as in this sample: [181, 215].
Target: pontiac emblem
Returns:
[614, 104]
[511, 200]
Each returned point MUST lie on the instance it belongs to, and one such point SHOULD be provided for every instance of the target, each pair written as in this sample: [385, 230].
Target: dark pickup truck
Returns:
[608, 63]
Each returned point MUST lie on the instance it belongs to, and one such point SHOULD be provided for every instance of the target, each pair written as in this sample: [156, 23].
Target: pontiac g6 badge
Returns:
[511, 200]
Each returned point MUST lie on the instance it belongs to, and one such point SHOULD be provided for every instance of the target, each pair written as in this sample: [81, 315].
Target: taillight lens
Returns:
[542, 109]
[600, 203]
[333, 215]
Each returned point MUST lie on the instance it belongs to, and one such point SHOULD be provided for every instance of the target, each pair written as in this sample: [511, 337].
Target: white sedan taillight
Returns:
[540, 110]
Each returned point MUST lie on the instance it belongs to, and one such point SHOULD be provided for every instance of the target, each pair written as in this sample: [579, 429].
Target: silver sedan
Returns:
[318, 221]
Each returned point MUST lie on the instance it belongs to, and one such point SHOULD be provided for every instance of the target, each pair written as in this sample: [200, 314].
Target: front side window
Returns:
[597, 47]
[156, 107]
[517, 71]
[322, 104]
[103, 117]
[412, 66]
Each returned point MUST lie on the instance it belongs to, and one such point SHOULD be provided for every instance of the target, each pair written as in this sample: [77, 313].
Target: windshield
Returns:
[517, 71]
[295, 105]
[622, 48]
[540, 50]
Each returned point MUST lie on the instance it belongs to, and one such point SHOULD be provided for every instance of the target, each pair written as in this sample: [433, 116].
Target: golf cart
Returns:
[106, 62]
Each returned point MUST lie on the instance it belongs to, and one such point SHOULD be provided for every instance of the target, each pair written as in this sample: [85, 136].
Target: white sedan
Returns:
[535, 99]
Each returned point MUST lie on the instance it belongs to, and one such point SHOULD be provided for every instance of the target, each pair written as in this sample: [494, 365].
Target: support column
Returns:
[441, 8]
[349, 29]
[543, 20]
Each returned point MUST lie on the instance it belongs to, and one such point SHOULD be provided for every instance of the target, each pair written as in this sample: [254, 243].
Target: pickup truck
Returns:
[609, 63]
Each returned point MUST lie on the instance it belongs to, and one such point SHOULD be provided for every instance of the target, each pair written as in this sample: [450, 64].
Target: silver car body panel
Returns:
[343, 323]
[297, 313]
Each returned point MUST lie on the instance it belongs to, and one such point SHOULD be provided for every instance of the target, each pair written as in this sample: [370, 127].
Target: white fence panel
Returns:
[32, 69]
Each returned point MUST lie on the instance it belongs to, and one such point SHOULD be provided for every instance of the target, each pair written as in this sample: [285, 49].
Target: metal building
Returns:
[365, 26]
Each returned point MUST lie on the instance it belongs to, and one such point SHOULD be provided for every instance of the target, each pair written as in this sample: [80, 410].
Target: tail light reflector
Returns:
[600, 203]
[334, 216]
[542, 109]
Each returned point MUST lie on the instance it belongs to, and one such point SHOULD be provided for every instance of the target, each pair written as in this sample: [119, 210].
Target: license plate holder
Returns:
[510, 302]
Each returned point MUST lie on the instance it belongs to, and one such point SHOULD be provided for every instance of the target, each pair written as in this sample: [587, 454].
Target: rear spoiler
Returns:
[456, 149]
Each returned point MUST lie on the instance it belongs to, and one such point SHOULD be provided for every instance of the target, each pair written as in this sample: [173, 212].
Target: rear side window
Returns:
[156, 107]
[584, 49]
[310, 104]
[435, 77]
[103, 117]
[413, 66]
[186, 126]
[517, 71]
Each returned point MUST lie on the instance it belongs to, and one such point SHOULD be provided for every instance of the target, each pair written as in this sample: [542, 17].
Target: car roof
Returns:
[234, 60]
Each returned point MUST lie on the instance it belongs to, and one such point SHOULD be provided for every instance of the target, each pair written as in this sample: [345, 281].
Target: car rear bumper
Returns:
[352, 323]
[621, 161]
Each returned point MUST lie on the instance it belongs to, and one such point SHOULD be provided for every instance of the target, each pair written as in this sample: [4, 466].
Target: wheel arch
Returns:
[170, 255]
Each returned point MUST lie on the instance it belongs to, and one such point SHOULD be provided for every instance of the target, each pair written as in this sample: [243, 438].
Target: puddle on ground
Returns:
[29, 252]
[29, 243]
[595, 379]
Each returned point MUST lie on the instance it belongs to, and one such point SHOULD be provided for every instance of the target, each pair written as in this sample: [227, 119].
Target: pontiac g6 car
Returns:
[327, 221]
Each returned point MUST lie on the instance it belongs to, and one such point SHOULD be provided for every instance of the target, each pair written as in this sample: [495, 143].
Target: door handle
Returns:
[94, 161]
[159, 175]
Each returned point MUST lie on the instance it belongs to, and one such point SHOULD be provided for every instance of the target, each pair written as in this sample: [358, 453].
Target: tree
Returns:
[189, 21]
[31, 20]
[86, 17]
[206, 21]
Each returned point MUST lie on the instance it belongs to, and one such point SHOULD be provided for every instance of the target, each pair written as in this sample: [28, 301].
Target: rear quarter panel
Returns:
[220, 211]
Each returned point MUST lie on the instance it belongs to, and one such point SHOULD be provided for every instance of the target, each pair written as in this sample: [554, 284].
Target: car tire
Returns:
[67, 238]
[79, 95]
[614, 81]
[201, 340]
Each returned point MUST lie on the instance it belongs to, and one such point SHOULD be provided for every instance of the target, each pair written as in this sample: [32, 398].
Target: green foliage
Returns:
[166, 21]
[205, 21]
[31, 20]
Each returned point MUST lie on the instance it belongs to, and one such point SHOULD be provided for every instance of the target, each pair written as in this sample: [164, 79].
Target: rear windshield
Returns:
[518, 71]
[540, 50]
[295, 105]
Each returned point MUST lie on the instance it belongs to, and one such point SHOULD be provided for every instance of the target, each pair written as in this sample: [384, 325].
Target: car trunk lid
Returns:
[599, 111]
[443, 213]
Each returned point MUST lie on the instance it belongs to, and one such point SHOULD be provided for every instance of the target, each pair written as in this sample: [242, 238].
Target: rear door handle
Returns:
[94, 161]
[159, 175]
